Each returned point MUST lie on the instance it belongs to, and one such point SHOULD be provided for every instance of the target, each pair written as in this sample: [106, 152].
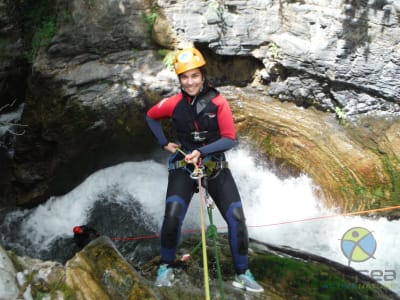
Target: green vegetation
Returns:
[267, 144]
[309, 279]
[341, 116]
[395, 179]
[274, 50]
[42, 290]
[15, 261]
[150, 19]
[38, 21]
[42, 36]
[168, 58]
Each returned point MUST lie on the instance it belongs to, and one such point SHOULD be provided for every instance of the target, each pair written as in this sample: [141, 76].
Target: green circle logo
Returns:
[358, 244]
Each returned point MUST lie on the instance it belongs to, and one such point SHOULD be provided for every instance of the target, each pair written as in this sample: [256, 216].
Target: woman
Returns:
[205, 129]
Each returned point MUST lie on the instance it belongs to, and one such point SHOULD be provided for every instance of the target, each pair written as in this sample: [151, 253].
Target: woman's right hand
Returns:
[171, 147]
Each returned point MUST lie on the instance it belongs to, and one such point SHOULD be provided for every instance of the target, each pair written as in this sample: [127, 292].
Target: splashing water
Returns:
[278, 211]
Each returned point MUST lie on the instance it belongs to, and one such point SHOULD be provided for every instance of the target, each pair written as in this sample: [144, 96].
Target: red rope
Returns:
[266, 225]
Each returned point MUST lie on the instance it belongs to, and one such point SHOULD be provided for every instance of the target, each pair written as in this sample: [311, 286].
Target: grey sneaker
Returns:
[247, 282]
[165, 276]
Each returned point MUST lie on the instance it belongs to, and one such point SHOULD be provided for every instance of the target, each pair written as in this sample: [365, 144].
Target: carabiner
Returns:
[197, 173]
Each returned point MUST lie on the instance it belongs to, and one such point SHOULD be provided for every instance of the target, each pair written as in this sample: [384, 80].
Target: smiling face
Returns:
[191, 81]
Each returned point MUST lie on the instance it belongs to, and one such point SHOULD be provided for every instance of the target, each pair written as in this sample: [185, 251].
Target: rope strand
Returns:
[203, 240]
[187, 231]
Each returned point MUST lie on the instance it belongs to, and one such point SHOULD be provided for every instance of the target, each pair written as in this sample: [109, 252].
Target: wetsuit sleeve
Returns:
[157, 131]
[226, 128]
[220, 145]
[162, 110]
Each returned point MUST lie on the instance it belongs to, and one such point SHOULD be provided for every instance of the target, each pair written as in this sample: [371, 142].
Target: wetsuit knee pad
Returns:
[175, 211]
[237, 222]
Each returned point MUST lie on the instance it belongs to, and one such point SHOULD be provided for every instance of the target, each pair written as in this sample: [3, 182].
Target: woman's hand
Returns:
[171, 147]
[193, 158]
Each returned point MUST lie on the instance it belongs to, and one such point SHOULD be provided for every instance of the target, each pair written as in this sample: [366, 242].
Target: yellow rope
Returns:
[181, 151]
[203, 240]
[198, 172]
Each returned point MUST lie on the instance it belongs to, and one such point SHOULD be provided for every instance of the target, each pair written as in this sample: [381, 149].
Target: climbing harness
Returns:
[210, 166]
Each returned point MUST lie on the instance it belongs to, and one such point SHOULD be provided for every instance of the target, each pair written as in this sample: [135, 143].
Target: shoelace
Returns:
[249, 274]
[162, 270]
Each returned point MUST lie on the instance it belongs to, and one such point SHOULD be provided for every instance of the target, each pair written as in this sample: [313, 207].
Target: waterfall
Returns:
[127, 200]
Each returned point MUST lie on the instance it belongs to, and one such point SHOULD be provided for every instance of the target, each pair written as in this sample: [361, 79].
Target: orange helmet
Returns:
[188, 59]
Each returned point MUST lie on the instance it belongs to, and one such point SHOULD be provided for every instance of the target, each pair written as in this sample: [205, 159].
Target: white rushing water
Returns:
[281, 212]
[7, 121]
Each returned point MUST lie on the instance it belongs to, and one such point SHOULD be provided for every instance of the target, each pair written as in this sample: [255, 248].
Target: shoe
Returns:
[165, 276]
[247, 282]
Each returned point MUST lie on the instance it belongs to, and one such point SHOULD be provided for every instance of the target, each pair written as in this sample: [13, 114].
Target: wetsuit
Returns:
[204, 123]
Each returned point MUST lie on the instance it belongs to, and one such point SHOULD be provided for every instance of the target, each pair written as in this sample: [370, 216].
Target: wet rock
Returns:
[8, 283]
[345, 162]
[100, 272]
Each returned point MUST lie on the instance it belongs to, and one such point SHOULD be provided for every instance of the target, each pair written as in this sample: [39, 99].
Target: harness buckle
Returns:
[199, 136]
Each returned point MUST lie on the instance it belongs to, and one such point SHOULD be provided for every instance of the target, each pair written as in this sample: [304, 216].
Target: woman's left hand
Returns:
[193, 157]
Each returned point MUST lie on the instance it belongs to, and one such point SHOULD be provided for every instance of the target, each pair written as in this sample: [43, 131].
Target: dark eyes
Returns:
[194, 76]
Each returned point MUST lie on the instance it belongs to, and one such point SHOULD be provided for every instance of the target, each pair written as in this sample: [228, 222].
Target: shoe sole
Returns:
[243, 287]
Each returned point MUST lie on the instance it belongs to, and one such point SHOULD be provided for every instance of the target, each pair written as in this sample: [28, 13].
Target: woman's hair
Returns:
[203, 71]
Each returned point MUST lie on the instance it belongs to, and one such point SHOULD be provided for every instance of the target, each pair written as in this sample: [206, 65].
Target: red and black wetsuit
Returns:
[204, 123]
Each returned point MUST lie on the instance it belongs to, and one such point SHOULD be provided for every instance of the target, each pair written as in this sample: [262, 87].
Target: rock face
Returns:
[8, 282]
[330, 53]
[343, 160]
[13, 72]
[13, 62]
[92, 82]
[87, 97]
[100, 272]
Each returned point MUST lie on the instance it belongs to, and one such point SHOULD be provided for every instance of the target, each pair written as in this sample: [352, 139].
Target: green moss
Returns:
[42, 36]
[42, 291]
[15, 261]
[150, 19]
[309, 279]
[394, 177]
[267, 144]
[38, 22]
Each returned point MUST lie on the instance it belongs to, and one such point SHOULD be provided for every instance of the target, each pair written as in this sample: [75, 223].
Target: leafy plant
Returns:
[168, 58]
[339, 113]
[274, 50]
[341, 116]
[43, 36]
[150, 19]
